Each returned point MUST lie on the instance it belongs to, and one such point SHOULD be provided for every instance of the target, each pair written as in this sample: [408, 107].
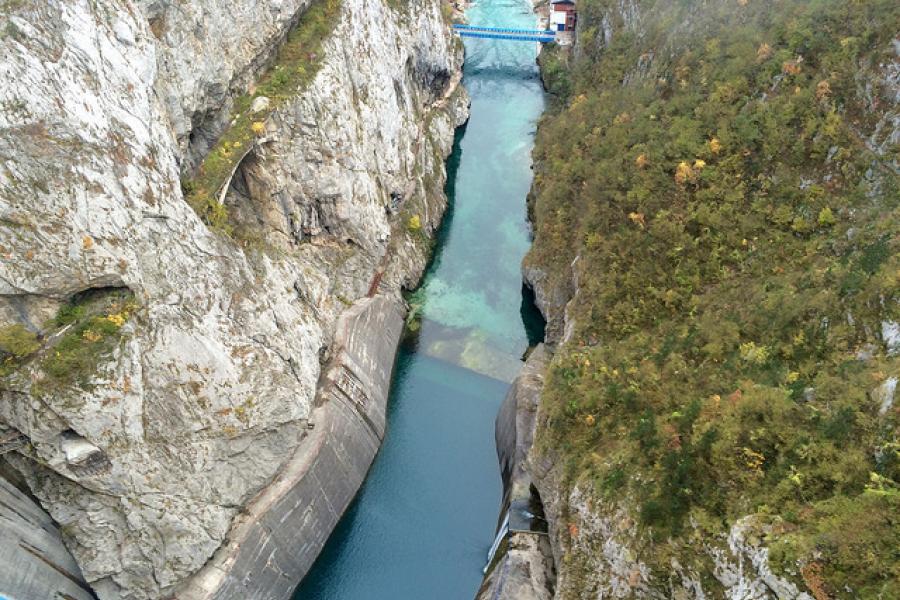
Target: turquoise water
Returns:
[424, 519]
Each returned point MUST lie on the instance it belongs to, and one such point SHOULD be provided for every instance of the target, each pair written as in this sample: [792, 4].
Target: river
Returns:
[424, 519]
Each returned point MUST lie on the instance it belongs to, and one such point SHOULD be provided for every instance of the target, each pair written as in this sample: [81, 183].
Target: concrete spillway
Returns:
[34, 563]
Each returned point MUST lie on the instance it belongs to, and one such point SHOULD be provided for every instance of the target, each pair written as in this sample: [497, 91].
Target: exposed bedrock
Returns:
[160, 375]
[522, 567]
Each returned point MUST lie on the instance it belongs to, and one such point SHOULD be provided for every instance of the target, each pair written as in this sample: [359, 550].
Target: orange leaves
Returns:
[87, 242]
[792, 67]
[641, 161]
[812, 577]
[823, 90]
[638, 219]
[673, 438]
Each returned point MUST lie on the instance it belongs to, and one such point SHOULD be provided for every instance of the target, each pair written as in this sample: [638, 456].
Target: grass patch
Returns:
[297, 63]
[84, 330]
[93, 326]
[17, 342]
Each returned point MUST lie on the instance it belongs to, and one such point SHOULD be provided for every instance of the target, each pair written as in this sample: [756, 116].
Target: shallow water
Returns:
[424, 519]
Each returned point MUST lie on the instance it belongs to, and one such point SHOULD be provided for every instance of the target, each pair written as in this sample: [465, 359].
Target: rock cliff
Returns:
[158, 373]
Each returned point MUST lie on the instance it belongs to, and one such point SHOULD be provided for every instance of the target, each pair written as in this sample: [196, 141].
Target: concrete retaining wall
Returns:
[34, 563]
[275, 542]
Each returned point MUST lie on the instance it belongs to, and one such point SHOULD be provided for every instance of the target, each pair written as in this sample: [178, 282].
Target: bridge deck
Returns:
[505, 33]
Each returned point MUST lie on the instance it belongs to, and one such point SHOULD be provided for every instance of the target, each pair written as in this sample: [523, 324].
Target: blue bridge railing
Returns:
[503, 29]
[506, 33]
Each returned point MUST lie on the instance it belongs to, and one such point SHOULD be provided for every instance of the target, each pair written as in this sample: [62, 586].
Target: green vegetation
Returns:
[16, 343]
[297, 63]
[93, 331]
[83, 331]
[738, 250]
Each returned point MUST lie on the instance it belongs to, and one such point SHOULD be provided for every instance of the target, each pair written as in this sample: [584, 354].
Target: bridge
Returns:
[501, 33]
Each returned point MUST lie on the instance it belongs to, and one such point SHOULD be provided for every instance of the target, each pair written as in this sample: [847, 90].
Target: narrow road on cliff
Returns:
[422, 523]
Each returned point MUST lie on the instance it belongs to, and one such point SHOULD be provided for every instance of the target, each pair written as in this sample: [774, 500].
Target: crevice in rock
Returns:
[258, 210]
[210, 122]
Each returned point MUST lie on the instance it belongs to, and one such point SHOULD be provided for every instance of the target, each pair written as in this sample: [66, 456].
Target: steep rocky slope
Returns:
[715, 211]
[158, 370]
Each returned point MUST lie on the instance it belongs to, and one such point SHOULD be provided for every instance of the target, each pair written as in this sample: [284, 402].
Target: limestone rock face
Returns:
[146, 459]
[207, 50]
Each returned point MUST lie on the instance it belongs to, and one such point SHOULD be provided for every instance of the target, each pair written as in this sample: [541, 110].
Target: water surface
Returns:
[424, 519]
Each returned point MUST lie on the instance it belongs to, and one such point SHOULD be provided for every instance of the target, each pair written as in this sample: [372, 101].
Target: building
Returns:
[563, 15]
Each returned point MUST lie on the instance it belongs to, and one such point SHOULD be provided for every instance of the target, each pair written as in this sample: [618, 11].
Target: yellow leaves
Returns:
[641, 161]
[589, 420]
[714, 145]
[414, 223]
[622, 118]
[792, 377]
[87, 242]
[116, 319]
[754, 460]
[757, 355]
[91, 336]
[258, 127]
[823, 90]
[764, 52]
[826, 217]
[699, 164]
[683, 173]
[638, 219]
